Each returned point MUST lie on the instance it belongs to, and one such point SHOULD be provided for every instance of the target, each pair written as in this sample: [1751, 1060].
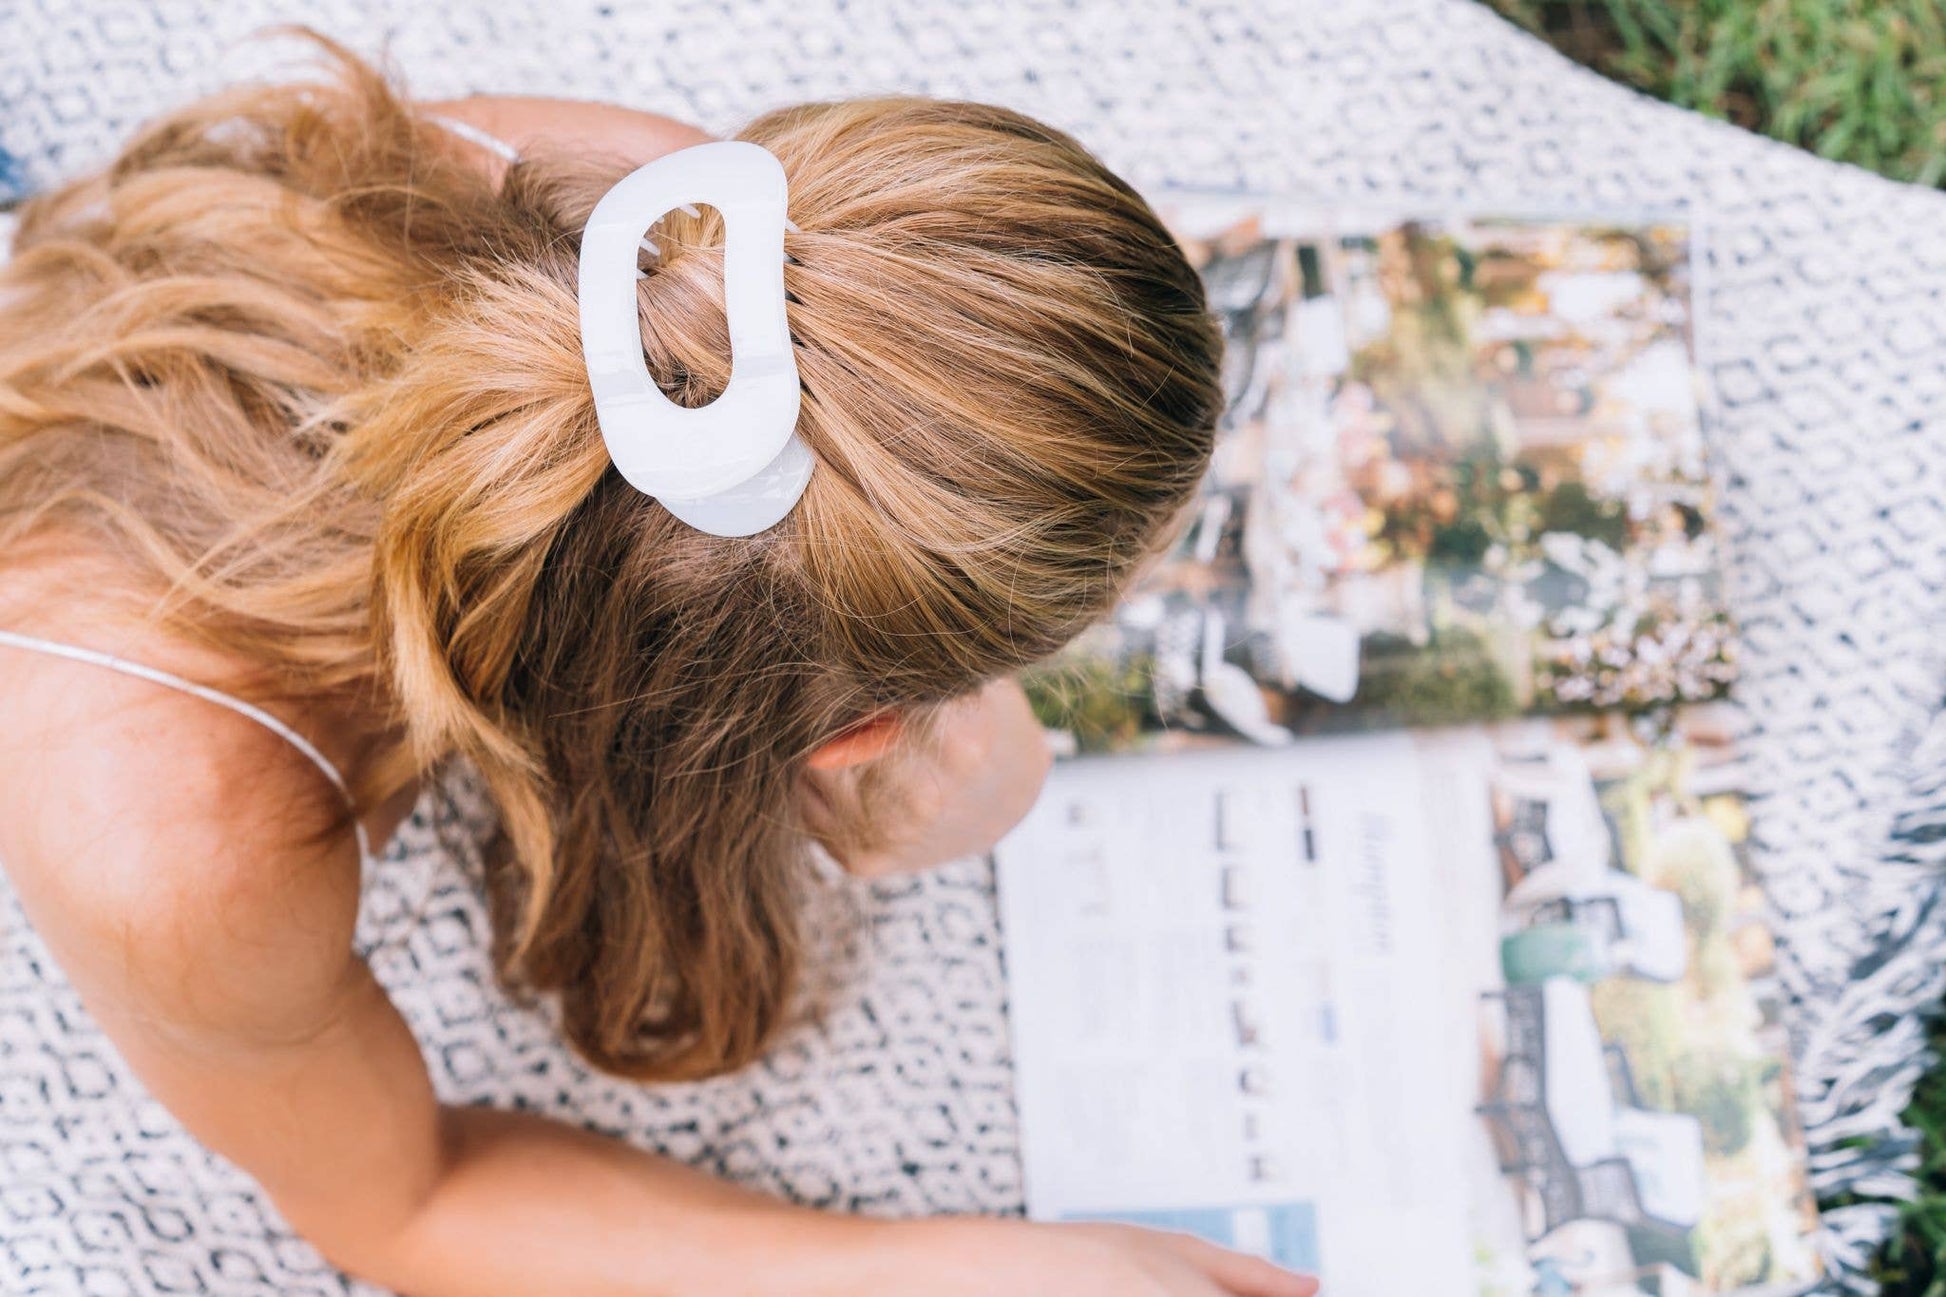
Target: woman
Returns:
[303, 495]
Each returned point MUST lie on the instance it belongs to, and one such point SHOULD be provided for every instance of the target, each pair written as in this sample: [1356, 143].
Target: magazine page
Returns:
[1503, 993]
[1460, 477]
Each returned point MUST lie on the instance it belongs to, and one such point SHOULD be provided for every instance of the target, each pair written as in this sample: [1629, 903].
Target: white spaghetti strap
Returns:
[474, 135]
[96, 658]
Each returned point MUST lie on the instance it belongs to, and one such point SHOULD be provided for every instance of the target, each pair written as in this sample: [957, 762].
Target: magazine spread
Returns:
[1460, 477]
[1485, 1009]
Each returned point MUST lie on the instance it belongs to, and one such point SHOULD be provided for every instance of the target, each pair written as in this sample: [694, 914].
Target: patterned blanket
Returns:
[1823, 310]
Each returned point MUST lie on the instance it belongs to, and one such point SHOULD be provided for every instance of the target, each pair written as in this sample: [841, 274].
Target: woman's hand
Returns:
[948, 792]
[963, 1257]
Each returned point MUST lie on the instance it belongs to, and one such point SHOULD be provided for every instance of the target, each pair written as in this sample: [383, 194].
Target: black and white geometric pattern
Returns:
[1823, 313]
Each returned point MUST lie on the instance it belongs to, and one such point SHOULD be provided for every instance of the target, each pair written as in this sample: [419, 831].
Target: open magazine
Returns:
[1485, 1009]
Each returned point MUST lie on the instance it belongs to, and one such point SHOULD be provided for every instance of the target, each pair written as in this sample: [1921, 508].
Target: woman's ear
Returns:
[865, 741]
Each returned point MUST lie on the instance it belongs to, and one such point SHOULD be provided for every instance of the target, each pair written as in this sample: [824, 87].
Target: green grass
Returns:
[1913, 1264]
[1861, 81]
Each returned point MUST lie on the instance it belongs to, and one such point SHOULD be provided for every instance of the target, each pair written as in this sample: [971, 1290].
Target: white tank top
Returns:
[95, 657]
[474, 135]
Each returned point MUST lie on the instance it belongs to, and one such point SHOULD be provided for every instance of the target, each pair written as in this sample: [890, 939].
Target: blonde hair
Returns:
[316, 383]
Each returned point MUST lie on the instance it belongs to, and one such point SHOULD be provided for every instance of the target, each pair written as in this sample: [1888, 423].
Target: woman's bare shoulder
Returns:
[152, 829]
[531, 125]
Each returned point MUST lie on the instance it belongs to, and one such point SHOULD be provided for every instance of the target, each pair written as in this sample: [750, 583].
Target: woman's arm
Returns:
[158, 846]
[165, 866]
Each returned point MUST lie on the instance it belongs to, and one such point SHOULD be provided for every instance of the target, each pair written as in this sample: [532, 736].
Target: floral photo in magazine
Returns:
[1460, 477]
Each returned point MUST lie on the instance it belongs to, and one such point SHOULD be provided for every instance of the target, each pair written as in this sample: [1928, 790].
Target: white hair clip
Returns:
[736, 466]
